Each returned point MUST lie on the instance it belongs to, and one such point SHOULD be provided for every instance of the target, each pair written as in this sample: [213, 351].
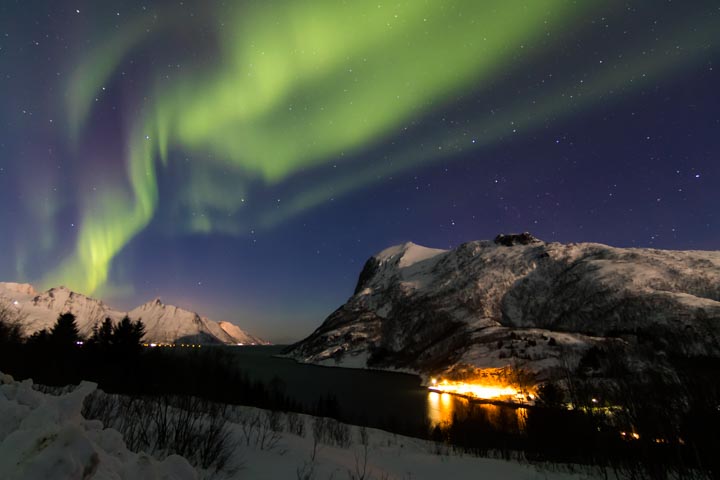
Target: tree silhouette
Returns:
[127, 335]
[103, 335]
[39, 338]
[65, 331]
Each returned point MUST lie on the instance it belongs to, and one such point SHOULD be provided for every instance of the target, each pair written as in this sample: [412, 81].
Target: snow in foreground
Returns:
[45, 436]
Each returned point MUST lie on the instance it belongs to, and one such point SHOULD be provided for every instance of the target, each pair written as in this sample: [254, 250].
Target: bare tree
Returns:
[11, 323]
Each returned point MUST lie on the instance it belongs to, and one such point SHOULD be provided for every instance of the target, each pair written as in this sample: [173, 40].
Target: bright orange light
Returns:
[475, 390]
[633, 435]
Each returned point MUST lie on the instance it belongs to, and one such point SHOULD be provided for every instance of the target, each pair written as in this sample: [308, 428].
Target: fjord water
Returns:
[394, 401]
[366, 396]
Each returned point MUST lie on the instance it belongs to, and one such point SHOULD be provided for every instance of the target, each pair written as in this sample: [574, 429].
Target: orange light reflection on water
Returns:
[444, 407]
[440, 408]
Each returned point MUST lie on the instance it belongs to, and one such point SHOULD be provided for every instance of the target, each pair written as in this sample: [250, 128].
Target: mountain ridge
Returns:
[519, 302]
[163, 323]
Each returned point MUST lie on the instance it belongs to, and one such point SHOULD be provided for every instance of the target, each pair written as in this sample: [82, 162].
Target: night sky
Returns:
[244, 159]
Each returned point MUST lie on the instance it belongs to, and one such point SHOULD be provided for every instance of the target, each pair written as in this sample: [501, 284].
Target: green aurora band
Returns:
[299, 86]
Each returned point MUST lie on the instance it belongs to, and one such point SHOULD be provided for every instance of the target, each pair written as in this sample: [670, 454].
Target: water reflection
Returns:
[441, 407]
[522, 415]
[444, 408]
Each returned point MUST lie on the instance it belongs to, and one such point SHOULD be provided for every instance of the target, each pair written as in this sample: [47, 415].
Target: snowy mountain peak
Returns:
[154, 303]
[60, 290]
[513, 239]
[163, 323]
[20, 288]
[407, 254]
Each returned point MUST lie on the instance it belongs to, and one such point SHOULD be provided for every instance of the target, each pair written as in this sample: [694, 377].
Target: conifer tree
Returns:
[65, 332]
[127, 335]
[103, 334]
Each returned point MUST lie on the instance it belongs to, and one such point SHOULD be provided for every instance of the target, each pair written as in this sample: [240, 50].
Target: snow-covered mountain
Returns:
[519, 302]
[164, 323]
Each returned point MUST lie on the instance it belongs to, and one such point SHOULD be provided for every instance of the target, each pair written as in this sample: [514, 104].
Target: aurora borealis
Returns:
[244, 158]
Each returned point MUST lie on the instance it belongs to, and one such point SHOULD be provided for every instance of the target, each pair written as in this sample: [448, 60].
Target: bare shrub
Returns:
[165, 425]
[11, 324]
[331, 432]
[248, 422]
[295, 424]
[260, 428]
[269, 426]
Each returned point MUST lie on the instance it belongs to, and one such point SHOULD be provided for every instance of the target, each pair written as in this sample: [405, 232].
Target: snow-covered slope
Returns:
[164, 323]
[518, 301]
[45, 436]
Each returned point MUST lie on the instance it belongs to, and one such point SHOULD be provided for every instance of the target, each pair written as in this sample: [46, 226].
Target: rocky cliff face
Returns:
[520, 302]
[163, 323]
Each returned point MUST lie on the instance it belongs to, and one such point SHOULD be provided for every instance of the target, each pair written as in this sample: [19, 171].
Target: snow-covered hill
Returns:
[518, 301]
[164, 323]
